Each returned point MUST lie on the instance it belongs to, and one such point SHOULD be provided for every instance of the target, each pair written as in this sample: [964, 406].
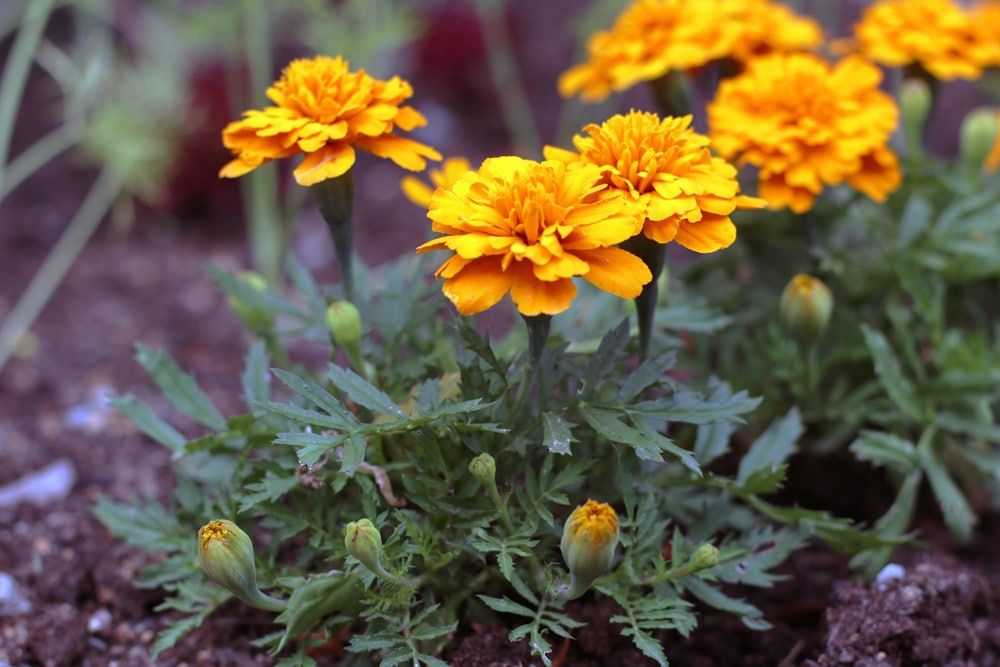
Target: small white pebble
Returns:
[888, 573]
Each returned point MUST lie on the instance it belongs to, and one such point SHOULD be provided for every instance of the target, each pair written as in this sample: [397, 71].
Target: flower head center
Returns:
[598, 520]
[214, 531]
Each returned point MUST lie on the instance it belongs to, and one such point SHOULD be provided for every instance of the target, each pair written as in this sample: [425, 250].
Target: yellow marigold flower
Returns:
[686, 194]
[325, 111]
[528, 228]
[806, 124]
[451, 170]
[652, 37]
[939, 35]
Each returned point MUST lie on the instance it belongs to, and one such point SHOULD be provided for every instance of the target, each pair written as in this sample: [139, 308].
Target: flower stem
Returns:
[654, 255]
[334, 198]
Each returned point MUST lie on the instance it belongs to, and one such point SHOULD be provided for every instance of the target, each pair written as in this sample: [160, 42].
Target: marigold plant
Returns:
[806, 125]
[685, 193]
[940, 36]
[653, 37]
[324, 111]
[528, 228]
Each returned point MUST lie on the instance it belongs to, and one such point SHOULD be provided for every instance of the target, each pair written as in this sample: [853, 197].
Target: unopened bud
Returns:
[363, 541]
[704, 557]
[254, 318]
[915, 101]
[226, 555]
[344, 322]
[806, 306]
[588, 544]
[976, 138]
[483, 468]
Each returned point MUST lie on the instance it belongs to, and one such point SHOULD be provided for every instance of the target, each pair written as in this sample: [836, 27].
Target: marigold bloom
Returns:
[806, 306]
[806, 124]
[325, 111]
[940, 35]
[588, 543]
[686, 194]
[528, 228]
[451, 170]
[652, 37]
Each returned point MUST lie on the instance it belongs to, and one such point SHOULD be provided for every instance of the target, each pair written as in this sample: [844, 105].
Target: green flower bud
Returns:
[363, 541]
[915, 101]
[588, 544]
[344, 322]
[226, 555]
[704, 557]
[253, 318]
[806, 306]
[483, 468]
[976, 138]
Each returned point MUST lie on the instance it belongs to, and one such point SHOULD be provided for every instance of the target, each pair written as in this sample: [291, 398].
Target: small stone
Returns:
[99, 622]
[12, 602]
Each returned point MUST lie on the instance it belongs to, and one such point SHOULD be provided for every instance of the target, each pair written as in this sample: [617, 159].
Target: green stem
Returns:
[32, 159]
[260, 187]
[654, 256]
[31, 302]
[15, 73]
[507, 80]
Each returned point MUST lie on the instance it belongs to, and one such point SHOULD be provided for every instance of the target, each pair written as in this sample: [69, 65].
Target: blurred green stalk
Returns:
[15, 73]
[260, 187]
[102, 195]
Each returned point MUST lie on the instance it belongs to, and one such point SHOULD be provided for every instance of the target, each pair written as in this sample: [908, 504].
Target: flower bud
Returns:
[253, 318]
[588, 544]
[976, 138]
[483, 468]
[363, 541]
[344, 322]
[226, 555]
[914, 107]
[806, 306]
[704, 557]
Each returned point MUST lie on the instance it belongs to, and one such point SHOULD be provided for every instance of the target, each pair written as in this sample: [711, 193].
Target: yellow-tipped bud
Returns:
[226, 555]
[363, 541]
[344, 322]
[806, 306]
[704, 557]
[483, 468]
[254, 318]
[976, 138]
[588, 544]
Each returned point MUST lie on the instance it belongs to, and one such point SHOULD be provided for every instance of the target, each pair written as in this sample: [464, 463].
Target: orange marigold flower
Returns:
[325, 111]
[652, 37]
[528, 228]
[806, 124]
[686, 194]
[420, 193]
[939, 35]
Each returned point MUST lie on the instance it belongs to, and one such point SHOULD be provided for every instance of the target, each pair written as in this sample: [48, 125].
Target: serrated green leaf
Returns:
[310, 446]
[305, 416]
[179, 388]
[608, 425]
[773, 447]
[556, 433]
[914, 222]
[891, 524]
[354, 454]
[148, 422]
[713, 597]
[712, 441]
[885, 449]
[363, 392]
[954, 423]
[603, 360]
[890, 374]
[317, 597]
[506, 606]
[692, 408]
[649, 647]
[648, 372]
[305, 285]
[256, 377]
[319, 396]
[958, 516]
